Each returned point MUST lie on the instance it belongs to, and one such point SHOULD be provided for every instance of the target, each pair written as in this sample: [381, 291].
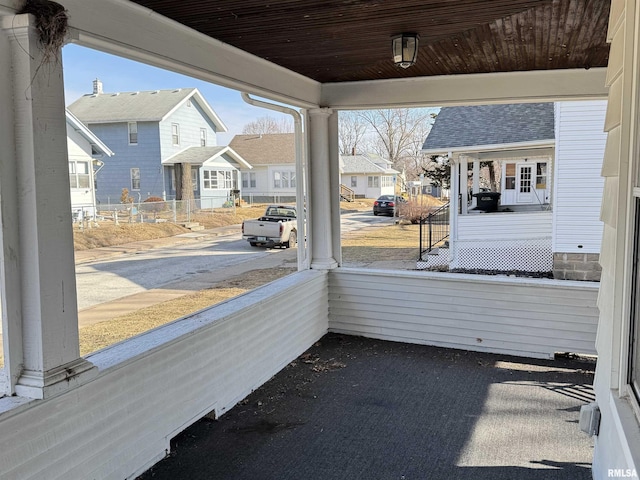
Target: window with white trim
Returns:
[133, 133]
[217, 179]
[354, 181]
[79, 176]
[285, 179]
[248, 179]
[373, 182]
[634, 354]
[203, 137]
[175, 134]
[194, 179]
[387, 181]
[135, 179]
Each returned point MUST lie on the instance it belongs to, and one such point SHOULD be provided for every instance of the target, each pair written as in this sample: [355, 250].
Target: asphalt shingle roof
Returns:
[363, 164]
[265, 149]
[195, 155]
[491, 125]
[128, 106]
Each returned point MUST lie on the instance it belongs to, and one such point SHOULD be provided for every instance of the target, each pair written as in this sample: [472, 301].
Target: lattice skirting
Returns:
[439, 259]
[531, 255]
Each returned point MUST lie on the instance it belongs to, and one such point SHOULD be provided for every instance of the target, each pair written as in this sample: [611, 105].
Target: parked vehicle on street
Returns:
[276, 228]
[387, 204]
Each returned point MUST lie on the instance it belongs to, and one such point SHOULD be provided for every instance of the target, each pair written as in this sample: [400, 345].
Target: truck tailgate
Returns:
[261, 228]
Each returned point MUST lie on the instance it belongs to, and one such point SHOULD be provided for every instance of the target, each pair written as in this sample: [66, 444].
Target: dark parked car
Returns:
[385, 204]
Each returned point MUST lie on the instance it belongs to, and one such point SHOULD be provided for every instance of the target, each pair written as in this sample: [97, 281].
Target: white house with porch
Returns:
[112, 414]
[367, 175]
[527, 187]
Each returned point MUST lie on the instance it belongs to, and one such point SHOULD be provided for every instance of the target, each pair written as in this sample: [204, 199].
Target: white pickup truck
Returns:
[276, 228]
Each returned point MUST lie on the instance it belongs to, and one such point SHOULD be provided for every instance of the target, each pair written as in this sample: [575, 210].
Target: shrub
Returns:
[154, 204]
[413, 212]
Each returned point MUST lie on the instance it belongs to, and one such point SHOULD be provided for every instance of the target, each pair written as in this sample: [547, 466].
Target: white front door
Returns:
[524, 184]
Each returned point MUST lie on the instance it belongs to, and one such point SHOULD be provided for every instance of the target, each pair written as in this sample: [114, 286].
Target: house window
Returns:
[133, 133]
[354, 181]
[175, 134]
[194, 179]
[203, 137]
[634, 357]
[510, 176]
[541, 176]
[79, 176]
[217, 180]
[373, 182]
[135, 179]
[248, 180]
[387, 181]
[284, 179]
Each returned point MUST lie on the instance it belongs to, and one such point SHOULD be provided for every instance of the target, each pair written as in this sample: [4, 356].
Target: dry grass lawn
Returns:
[100, 335]
[397, 242]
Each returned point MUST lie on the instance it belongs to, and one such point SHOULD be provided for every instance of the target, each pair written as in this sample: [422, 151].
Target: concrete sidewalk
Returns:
[179, 288]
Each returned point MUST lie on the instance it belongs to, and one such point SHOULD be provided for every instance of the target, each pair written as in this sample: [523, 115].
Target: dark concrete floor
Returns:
[359, 408]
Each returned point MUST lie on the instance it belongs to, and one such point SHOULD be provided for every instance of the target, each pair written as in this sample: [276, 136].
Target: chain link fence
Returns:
[173, 211]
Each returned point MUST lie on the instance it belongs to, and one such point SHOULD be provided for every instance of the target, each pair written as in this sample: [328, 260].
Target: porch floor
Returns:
[368, 409]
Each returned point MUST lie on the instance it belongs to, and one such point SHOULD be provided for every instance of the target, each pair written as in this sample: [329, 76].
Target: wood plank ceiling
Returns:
[349, 40]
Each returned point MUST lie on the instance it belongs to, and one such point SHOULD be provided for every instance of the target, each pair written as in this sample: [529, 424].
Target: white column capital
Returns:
[316, 112]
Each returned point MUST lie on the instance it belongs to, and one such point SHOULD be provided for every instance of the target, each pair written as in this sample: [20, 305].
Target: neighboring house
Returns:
[272, 176]
[155, 136]
[547, 160]
[367, 175]
[85, 153]
[273, 173]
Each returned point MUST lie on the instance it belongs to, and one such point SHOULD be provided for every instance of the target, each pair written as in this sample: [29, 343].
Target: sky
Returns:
[83, 65]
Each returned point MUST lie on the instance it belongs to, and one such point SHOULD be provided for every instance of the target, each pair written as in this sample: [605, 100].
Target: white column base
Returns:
[41, 385]
[324, 264]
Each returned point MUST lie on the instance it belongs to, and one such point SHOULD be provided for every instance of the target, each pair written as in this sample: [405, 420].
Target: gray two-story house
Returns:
[155, 135]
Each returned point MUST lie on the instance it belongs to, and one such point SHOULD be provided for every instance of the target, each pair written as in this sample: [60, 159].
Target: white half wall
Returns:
[515, 316]
[152, 387]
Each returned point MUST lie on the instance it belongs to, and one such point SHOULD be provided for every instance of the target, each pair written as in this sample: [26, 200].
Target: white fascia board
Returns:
[87, 134]
[129, 30]
[472, 89]
[236, 156]
[498, 147]
[220, 126]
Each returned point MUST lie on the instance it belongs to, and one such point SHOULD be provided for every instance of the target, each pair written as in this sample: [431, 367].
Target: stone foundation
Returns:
[577, 266]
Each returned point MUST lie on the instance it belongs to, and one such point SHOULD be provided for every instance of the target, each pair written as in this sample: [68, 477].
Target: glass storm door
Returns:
[524, 184]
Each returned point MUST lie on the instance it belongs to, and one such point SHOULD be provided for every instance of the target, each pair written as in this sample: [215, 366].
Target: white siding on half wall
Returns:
[153, 386]
[516, 316]
[578, 182]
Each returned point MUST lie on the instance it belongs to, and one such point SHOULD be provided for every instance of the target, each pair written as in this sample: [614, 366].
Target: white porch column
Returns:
[464, 184]
[324, 194]
[476, 182]
[41, 298]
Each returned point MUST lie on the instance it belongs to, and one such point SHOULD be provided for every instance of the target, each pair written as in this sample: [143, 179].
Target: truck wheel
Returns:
[293, 239]
[253, 244]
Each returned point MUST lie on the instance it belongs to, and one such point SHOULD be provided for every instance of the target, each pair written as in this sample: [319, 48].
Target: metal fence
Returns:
[173, 211]
[434, 230]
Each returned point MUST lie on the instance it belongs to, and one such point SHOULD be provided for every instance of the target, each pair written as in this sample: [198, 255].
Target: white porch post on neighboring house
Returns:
[323, 186]
[464, 184]
[476, 182]
[39, 296]
[454, 202]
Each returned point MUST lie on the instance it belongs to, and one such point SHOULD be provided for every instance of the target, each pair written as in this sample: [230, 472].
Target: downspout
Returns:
[303, 246]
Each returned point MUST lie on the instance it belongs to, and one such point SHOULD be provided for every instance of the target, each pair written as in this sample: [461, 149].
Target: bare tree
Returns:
[352, 129]
[266, 125]
[398, 132]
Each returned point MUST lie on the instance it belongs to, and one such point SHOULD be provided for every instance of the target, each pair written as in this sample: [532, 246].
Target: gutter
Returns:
[304, 238]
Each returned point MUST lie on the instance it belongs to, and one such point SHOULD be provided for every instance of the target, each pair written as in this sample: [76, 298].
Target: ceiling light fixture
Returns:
[404, 48]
